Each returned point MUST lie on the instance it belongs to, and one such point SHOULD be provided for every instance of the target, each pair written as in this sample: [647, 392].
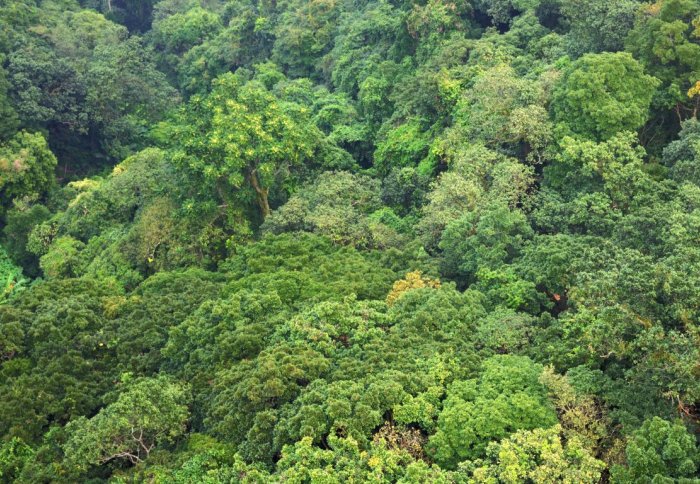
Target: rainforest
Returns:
[348, 241]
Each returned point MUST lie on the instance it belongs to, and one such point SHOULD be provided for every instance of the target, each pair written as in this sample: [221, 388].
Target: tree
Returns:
[477, 176]
[141, 322]
[403, 146]
[613, 166]
[506, 397]
[55, 355]
[343, 407]
[451, 196]
[667, 44]
[19, 222]
[602, 94]
[11, 278]
[344, 461]
[135, 14]
[682, 156]
[412, 280]
[241, 136]
[256, 389]
[13, 455]
[26, 168]
[148, 413]
[90, 85]
[313, 267]
[581, 417]
[63, 258]
[176, 34]
[359, 240]
[597, 25]
[303, 35]
[436, 19]
[125, 94]
[503, 108]
[539, 455]
[660, 450]
[504, 331]
[363, 40]
[245, 41]
[8, 116]
[46, 89]
[340, 206]
[503, 11]
[486, 239]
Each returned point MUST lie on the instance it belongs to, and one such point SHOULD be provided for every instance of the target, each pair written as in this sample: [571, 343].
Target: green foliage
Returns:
[136, 15]
[660, 450]
[141, 321]
[478, 176]
[11, 278]
[19, 223]
[602, 94]
[539, 455]
[333, 272]
[147, 413]
[26, 168]
[241, 136]
[125, 226]
[503, 11]
[8, 115]
[483, 240]
[683, 155]
[180, 32]
[345, 462]
[404, 146]
[349, 408]
[504, 331]
[13, 455]
[340, 206]
[363, 40]
[505, 398]
[54, 345]
[376, 240]
[255, 388]
[502, 108]
[665, 41]
[598, 25]
[62, 258]
[303, 34]
[90, 85]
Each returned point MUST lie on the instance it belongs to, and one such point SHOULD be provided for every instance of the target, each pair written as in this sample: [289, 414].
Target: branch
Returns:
[133, 458]
[139, 440]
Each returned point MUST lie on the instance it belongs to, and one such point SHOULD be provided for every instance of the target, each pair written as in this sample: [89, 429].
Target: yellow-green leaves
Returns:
[244, 135]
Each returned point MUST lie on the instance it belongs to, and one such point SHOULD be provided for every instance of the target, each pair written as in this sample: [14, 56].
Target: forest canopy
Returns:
[329, 241]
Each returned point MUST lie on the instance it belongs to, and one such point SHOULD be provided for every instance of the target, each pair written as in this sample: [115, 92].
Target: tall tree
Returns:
[242, 137]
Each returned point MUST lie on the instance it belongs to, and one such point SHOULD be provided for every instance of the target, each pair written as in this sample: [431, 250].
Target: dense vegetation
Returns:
[349, 241]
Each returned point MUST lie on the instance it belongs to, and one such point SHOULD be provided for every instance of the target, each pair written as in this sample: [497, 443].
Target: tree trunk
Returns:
[261, 194]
